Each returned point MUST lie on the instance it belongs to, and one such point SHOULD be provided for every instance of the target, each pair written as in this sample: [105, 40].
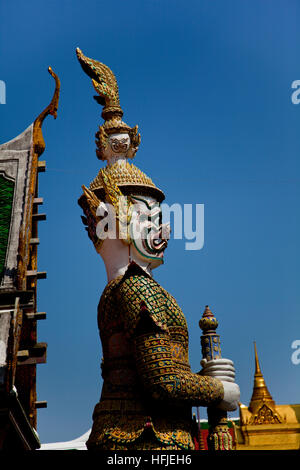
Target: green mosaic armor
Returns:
[148, 388]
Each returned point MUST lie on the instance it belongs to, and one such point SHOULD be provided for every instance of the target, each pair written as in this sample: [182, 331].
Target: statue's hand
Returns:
[223, 369]
[231, 397]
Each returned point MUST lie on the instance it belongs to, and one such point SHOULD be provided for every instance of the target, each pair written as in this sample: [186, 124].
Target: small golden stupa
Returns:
[265, 425]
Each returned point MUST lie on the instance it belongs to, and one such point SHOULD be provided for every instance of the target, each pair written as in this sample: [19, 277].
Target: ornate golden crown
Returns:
[120, 178]
[105, 84]
[128, 178]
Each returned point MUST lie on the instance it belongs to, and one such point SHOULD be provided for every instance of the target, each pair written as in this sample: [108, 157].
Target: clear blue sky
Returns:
[209, 85]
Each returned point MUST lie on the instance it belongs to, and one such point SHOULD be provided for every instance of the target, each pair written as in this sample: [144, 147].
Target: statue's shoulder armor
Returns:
[107, 310]
[137, 287]
[122, 298]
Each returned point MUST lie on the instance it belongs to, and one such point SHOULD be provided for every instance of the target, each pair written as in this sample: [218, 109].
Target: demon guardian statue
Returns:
[148, 390]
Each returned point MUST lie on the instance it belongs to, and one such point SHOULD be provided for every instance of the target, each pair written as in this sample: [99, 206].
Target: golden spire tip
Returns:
[257, 366]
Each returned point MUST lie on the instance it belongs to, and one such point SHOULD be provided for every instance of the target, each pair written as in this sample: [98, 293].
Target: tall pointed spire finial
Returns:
[257, 366]
[105, 84]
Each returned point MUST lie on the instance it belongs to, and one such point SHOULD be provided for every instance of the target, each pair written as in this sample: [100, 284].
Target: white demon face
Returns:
[119, 143]
[137, 221]
[148, 235]
[118, 146]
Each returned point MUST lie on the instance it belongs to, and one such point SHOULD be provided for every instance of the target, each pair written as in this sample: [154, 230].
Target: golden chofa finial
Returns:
[38, 140]
[105, 84]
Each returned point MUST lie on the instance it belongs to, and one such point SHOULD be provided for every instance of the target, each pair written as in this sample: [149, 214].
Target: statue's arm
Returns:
[163, 381]
[157, 371]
